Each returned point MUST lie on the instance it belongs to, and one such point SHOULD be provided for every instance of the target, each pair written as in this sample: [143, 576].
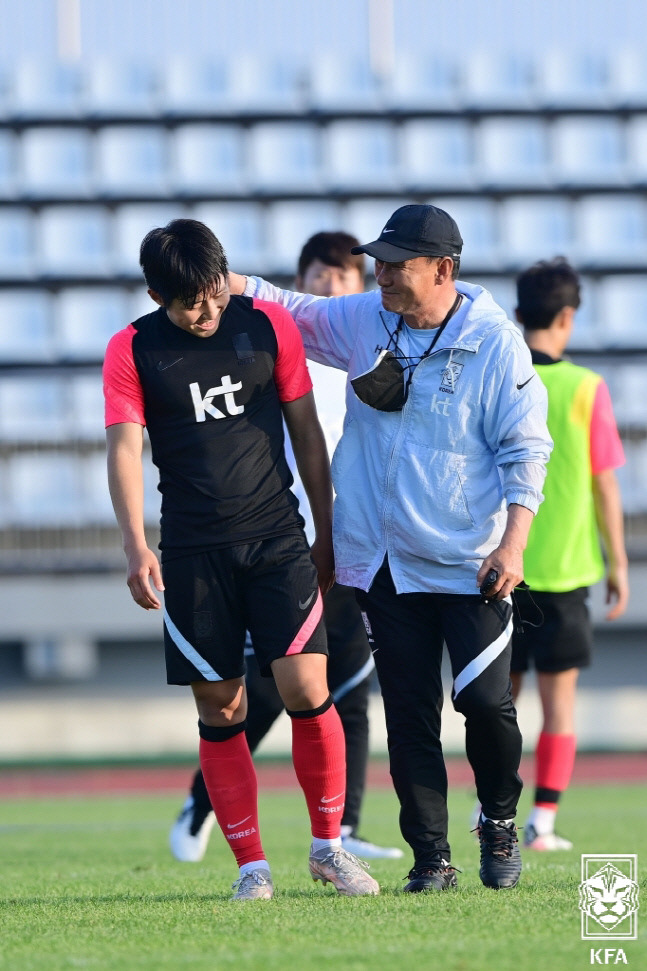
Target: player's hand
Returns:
[508, 563]
[324, 560]
[143, 567]
[617, 592]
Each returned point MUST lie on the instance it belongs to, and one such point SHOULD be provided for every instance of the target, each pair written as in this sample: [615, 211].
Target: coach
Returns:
[438, 475]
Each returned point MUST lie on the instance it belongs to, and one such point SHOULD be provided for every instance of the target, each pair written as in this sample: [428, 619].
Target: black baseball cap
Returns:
[415, 230]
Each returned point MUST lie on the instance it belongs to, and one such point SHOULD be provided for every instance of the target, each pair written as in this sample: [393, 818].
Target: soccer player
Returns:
[212, 377]
[582, 504]
[326, 268]
[438, 474]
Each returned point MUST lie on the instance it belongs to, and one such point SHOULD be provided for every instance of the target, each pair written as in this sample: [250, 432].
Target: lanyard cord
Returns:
[412, 363]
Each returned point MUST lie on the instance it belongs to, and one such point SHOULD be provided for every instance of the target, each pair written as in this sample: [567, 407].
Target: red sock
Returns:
[231, 782]
[319, 756]
[554, 760]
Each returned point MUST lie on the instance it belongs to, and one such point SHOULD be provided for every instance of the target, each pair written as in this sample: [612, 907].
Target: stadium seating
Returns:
[535, 154]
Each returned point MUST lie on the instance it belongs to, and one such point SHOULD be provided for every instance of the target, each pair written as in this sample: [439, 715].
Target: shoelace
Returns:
[340, 857]
[441, 867]
[499, 840]
[253, 875]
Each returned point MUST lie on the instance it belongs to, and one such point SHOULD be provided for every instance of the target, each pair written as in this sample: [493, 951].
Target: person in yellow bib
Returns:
[582, 506]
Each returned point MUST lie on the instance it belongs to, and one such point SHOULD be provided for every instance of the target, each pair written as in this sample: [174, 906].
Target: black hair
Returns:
[544, 289]
[333, 249]
[182, 260]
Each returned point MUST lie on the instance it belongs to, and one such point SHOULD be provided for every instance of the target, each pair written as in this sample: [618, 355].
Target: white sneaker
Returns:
[255, 885]
[346, 873]
[546, 842]
[370, 851]
[189, 834]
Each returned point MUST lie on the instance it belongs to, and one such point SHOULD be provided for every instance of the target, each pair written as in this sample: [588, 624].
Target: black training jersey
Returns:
[212, 407]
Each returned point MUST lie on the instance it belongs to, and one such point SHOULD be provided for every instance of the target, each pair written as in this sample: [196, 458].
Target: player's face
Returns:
[330, 281]
[203, 318]
[406, 287]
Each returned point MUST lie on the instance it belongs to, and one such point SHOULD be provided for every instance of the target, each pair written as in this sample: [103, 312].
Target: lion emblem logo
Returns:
[609, 897]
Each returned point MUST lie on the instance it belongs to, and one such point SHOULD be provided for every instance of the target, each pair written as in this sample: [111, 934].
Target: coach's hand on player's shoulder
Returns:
[143, 566]
[323, 558]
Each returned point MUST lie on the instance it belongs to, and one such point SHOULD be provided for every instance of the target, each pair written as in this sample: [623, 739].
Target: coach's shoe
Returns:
[370, 851]
[500, 856]
[532, 840]
[346, 873]
[435, 876]
[190, 832]
[255, 885]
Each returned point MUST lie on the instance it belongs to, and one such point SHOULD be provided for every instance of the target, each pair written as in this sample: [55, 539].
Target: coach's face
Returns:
[203, 318]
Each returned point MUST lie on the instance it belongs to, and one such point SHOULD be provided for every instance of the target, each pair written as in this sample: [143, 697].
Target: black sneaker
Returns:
[434, 876]
[500, 856]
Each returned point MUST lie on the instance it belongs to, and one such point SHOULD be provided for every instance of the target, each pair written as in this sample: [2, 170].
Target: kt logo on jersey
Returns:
[203, 404]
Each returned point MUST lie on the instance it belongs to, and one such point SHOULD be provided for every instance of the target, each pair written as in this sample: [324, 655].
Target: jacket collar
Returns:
[467, 330]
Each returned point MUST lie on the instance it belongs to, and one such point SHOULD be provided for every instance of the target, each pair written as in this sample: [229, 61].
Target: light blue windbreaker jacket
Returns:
[430, 484]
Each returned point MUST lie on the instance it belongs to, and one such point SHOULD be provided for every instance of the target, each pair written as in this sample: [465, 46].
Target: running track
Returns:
[608, 768]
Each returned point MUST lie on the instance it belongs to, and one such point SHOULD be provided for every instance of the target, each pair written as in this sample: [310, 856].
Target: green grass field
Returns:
[89, 883]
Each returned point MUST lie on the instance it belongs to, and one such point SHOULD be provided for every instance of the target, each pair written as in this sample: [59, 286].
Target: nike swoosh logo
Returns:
[302, 606]
[332, 798]
[163, 367]
[520, 386]
[387, 231]
[234, 825]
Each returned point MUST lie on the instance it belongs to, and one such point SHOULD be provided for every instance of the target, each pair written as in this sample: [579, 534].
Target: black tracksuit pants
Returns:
[407, 634]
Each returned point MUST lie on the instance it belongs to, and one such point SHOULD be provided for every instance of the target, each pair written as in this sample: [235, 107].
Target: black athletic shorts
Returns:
[562, 641]
[268, 587]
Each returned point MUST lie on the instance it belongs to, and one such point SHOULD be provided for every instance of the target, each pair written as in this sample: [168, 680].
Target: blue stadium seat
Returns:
[284, 156]
[74, 240]
[628, 76]
[116, 86]
[56, 162]
[435, 153]
[208, 158]
[498, 79]
[131, 223]
[568, 77]
[289, 224]
[45, 489]
[240, 227]
[8, 164]
[621, 299]
[477, 220]
[33, 408]
[535, 228]
[132, 161]
[30, 338]
[87, 317]
[338, 83]
[636, 135]
[587, 150]
[17, 244]
[365, 218]
[359, 155]
[85, 404]
[611, 230]
[420, 82]
[512, 152]
[44, 88]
